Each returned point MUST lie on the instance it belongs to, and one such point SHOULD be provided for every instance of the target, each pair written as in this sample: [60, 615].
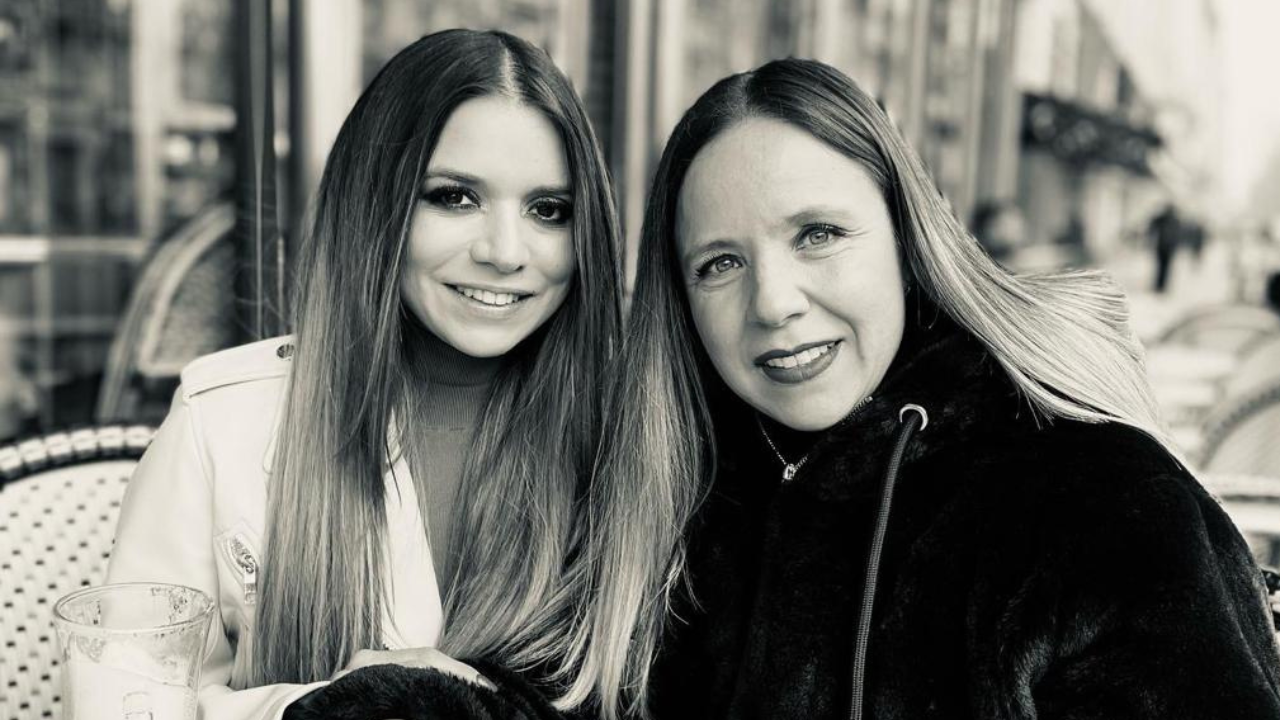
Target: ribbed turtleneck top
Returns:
[450, 391]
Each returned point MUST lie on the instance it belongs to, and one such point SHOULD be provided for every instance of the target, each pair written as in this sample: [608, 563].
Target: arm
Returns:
[418, 693]
[165, 534]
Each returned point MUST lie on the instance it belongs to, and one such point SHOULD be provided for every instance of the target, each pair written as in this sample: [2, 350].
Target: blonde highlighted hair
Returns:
[1061, 338]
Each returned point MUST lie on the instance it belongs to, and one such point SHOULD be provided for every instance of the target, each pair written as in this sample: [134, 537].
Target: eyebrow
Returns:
[467, 179]
[456, 176]
[817, 213]
[552, 190]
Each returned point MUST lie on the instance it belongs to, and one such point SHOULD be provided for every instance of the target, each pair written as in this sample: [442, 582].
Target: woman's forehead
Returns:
[498, 136]
[764, 175]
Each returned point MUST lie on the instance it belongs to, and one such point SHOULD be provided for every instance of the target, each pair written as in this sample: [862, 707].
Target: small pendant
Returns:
[789, 473]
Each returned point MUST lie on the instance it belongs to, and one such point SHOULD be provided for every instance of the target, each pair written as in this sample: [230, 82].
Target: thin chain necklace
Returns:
[790, 469]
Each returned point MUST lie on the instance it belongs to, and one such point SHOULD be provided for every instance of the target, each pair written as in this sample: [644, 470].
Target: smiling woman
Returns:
[893, 480]
[792, 272]
[490, 255]
[396, 483]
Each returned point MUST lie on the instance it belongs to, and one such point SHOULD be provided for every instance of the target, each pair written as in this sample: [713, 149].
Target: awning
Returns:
[1083, 136]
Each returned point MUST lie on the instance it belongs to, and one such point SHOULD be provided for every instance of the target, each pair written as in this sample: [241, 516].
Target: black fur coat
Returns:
[1060, 572]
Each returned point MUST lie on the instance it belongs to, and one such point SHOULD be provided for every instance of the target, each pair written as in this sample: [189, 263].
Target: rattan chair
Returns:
[1271, 577]
[182, 307]
[1233, 328]
[1259, 365]
[59, 498]
[1242, 434]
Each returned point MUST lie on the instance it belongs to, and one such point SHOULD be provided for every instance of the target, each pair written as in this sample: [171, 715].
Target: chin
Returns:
[469, 341]
[806, 421]
[808, 416]
[486, 349]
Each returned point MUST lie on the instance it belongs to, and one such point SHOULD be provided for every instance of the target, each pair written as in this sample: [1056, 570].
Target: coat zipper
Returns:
[244, 560]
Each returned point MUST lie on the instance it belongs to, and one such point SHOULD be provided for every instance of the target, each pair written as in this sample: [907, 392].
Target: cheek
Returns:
[433, 240]
[875, 313]
[555, 258]
[867, 292]
[714, 321]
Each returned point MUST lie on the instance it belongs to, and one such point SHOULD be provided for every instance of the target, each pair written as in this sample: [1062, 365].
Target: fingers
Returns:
[462, 671]
[362, 658]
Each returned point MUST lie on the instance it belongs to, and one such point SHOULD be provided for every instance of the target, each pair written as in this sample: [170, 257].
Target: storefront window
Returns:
[108, 110]
[554, 25]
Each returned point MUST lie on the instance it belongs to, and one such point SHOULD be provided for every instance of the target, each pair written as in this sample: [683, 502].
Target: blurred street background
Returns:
[156, 157]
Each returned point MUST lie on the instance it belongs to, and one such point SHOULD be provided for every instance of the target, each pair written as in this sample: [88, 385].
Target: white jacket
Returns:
[194, 514]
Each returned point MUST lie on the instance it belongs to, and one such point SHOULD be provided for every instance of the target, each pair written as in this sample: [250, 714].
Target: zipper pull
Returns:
[248, 568]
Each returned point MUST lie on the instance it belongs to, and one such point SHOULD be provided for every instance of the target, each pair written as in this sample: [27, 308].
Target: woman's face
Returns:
[792, 271]
[490, 254]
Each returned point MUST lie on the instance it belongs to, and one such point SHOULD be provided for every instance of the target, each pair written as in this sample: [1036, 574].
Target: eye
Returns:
[819, 235]
[717, 266]
[552, 211]
[452, 197]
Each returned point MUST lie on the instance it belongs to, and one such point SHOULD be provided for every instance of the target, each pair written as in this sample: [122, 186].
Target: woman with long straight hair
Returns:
[398, 480]
[855, 468]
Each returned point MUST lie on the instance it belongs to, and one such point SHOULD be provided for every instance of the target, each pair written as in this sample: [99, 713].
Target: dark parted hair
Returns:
[345, 413]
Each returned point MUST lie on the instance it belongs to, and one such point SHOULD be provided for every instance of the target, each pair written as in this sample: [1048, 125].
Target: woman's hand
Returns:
[423, 657]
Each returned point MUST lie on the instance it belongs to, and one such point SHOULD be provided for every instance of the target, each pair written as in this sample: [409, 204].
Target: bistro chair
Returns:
[1258, 365]
[1241, 434]
[1232, 328]
[1240, 464]
[59, 498]
[1271, 578]
[182, 307]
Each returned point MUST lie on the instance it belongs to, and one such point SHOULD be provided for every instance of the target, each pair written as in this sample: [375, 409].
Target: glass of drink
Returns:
[132, 651]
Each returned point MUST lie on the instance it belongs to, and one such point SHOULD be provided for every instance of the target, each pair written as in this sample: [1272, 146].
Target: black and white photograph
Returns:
[639, 360]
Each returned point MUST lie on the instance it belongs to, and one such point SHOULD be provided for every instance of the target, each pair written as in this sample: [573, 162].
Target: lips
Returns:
[490, 298]
[798, 364]
[798, 355]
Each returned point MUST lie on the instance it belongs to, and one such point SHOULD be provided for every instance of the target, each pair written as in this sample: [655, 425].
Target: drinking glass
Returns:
[132, 651]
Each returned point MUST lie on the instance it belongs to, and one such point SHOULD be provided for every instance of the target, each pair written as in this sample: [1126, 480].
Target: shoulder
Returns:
[265, 360]
[1084, 491]
[1094, 449]
[1079, 463]
[233, 400]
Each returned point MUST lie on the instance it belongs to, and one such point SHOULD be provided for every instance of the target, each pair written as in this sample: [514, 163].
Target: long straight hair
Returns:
[1062, 339]
[323, 594]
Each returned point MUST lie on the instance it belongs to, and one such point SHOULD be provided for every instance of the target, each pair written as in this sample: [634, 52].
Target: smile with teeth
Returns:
[496, 299]
[803, 357]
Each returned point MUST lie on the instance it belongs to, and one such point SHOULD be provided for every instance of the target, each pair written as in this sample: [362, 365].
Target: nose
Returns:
[501, 245]
[777, 296]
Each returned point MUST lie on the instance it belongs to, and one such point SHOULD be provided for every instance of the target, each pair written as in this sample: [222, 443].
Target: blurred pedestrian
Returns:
[1165, 234]
[1194, 237]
